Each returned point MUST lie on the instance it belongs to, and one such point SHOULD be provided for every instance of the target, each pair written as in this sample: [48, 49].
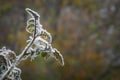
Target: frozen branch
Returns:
[38, 43]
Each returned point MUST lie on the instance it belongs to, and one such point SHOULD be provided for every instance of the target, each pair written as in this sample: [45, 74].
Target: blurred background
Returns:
[87, 32]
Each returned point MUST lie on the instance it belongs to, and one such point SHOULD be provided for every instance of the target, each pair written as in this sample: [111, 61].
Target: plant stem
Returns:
[18, 59]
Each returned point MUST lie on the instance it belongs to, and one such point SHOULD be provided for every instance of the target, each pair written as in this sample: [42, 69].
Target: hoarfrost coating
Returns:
[39, 43]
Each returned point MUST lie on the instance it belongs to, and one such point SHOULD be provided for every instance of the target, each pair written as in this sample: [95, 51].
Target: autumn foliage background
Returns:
[87, 32]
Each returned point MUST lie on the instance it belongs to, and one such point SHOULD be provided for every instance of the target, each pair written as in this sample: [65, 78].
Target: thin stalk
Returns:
[18, 59]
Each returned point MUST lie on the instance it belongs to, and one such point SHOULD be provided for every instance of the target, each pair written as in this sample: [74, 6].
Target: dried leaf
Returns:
[57, 55]
[30, 28]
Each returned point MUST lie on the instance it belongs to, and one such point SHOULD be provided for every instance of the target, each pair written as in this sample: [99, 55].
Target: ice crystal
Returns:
[39, 43]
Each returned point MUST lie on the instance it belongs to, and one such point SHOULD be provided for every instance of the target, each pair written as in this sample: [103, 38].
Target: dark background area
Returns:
[87, 32]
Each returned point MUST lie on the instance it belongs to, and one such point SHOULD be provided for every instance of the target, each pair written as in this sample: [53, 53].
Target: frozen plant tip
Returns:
[39, 43]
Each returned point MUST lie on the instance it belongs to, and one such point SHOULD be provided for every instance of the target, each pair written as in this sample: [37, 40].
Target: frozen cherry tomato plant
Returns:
[38, 43]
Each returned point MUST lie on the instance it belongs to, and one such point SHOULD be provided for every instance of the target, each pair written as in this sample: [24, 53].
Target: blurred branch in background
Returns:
[89, 37]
